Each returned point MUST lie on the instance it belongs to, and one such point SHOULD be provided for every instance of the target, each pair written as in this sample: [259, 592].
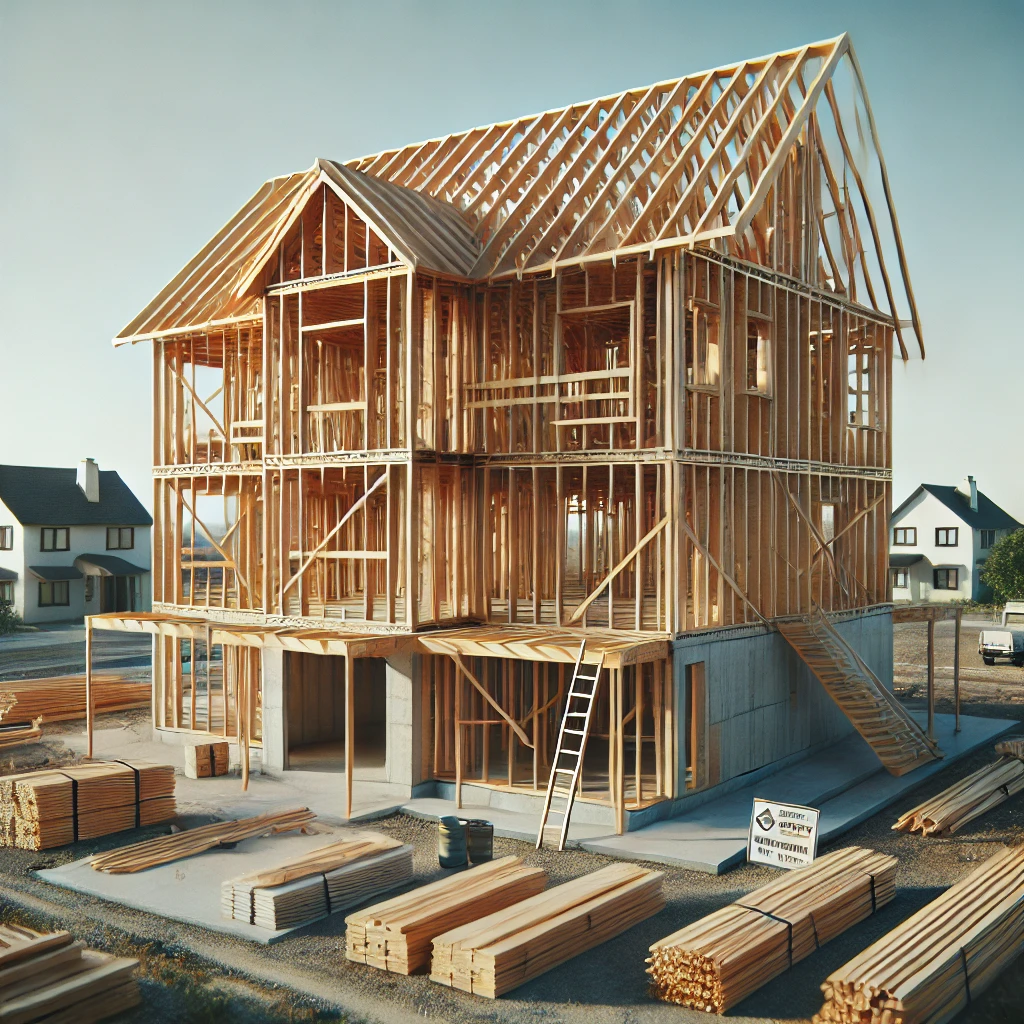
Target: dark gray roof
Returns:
[55, 572]
[8, 574]
[988, 517]
[902, 561]
[110, 564]
[42, 496]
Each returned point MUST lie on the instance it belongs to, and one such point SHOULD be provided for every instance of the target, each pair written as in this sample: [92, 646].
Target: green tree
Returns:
[9, 618]
[1004, 568]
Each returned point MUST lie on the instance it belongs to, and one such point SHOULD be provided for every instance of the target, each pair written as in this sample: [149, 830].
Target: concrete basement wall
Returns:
[763, 703]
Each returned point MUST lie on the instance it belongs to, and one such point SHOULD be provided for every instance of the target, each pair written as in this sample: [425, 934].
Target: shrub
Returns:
[10, 620]
[1004, 568]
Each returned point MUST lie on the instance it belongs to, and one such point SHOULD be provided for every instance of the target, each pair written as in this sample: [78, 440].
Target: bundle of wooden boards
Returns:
[19, 734]
[966, 800]
[52, 979]
[54, 807]
[718, 961]
[206, 760]
[318, 883]
[932, 965]
[497, 953]
[396, 935]
[165, 849]
[62, 698]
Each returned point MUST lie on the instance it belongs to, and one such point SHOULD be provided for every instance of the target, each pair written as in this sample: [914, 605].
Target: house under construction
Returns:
[619, 372]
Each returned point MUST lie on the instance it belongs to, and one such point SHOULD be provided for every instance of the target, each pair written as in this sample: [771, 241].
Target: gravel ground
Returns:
[191, 975]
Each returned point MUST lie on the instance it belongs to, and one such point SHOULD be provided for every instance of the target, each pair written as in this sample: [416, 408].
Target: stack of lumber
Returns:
[321, 882]
[396, 935]
[62, 698]
[179, 845]
[16, 735]
[499, 952]
[965, 800]
[206, 760]
[718, 961]
[932, 965]
[54, 807]
[48, 977]
[1013, 747]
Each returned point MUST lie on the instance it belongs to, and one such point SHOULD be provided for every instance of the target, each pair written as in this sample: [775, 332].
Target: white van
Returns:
[1001, 643]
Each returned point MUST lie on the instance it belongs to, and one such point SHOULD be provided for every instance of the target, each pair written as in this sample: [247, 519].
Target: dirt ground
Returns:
[191, 975]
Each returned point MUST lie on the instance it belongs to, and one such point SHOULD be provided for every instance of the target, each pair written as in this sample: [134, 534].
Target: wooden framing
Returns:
[616, 371]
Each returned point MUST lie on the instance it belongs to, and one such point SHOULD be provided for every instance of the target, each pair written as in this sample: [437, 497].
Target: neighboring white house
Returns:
[72, 543]
[939, 539]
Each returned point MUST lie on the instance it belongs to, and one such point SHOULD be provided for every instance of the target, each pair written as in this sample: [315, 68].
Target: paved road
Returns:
[60, 650]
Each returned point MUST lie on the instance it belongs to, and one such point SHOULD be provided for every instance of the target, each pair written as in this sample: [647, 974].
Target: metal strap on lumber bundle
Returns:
[54, 807]
[718, 961]
[567, 764]
[965, 800]
[165, 849]
[62, 698]
[321, 882]
[888, 728]
[497, 953]
[396, 935]
[49, 977]
[932, 965]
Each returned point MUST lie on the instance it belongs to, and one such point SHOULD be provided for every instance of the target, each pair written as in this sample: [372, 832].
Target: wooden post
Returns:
[349, 733]
[931, 679]
[458, 739]
[242, 691]
[956, 670]
[88, 686]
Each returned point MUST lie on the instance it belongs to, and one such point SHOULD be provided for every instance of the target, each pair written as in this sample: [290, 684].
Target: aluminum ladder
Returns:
[567, 764]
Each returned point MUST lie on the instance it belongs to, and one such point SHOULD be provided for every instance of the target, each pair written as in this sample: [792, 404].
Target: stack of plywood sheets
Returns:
[966, 800]
[396, 935]
[494, 954]
[206, 760]
[718, 961]
[62, 698]
[49, 978]
[932, 965]
[54, 807]
[165, 849]
[322, 882]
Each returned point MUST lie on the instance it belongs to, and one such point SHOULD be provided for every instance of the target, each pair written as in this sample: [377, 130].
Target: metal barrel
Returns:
[451, 842]
[479, 840]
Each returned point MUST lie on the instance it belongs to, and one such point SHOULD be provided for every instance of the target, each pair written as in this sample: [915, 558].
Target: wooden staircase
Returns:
[885, 724]
[567, 763]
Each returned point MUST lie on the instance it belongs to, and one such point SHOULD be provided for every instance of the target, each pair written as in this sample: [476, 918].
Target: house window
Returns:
[904, 535]
[55, 539]
[900, 579]
[703, 336]
[947, 537]
[758, 348]
[120, 538]
[947, 579]
[6, 592]
[53, 593]
[988, 539]
[861, 367]
[6, 538]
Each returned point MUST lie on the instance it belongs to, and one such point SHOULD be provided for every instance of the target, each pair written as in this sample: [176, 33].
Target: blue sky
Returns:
[130, 132]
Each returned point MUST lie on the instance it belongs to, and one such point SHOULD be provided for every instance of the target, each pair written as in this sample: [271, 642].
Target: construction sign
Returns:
[782, 835]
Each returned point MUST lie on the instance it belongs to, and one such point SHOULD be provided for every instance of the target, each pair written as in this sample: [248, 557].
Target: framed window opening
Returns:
[757, 362]
[947, 579]
[6, 538]
[54, 593]
[900, 579]
[120, 538]
[827, 520]
[6, 592]
[55, 538]
[862, 379]
[988, 539]
[694, 754]
[703, 326]
[947, 536]
[904, 535]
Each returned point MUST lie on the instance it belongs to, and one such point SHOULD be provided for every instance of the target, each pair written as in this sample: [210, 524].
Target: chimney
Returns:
[969, 490]
[89, 479]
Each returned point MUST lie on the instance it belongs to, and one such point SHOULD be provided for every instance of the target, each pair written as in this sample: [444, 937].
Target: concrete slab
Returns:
[189, 890]
[845, 783]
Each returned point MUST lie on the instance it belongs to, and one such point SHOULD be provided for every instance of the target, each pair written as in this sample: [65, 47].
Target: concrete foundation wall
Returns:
[762, 703]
